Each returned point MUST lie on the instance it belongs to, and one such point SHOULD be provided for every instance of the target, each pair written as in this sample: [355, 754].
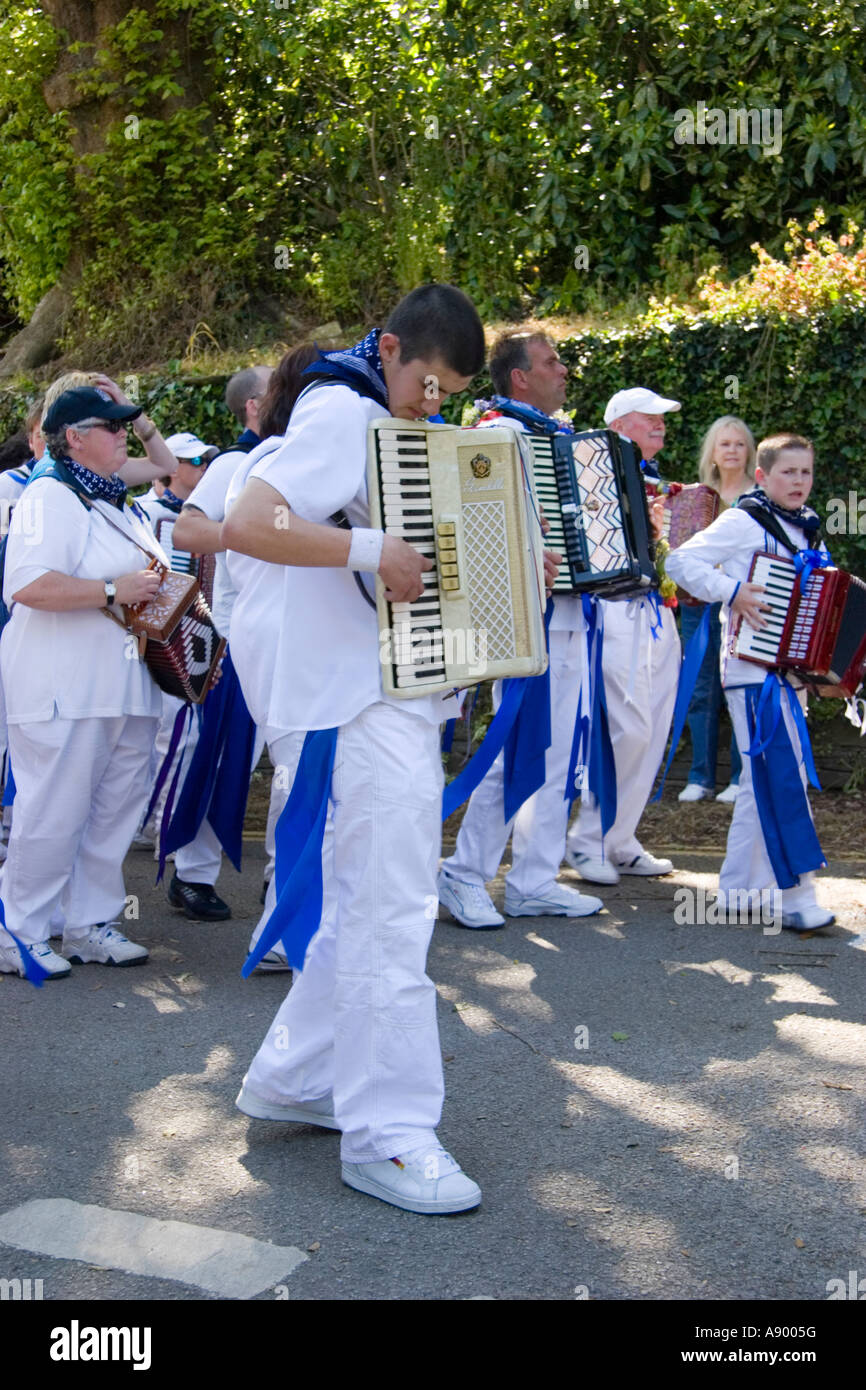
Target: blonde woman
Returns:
[727, 463]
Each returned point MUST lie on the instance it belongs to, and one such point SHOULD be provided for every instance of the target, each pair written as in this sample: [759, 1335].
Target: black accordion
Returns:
[592, 491]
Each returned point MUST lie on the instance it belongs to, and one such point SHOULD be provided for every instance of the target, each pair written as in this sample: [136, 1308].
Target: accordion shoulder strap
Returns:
[770, 524]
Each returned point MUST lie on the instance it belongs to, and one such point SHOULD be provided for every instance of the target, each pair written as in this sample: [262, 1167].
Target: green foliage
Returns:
[383, 142]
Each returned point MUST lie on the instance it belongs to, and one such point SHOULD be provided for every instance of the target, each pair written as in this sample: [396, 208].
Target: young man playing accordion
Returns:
[355, 1046]
[772, 845]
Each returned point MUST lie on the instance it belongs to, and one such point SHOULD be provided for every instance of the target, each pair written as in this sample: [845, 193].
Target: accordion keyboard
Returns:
[404, 473]
[777, 575]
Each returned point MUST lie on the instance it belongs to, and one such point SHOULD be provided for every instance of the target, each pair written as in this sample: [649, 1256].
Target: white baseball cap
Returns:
[637, 398]
[187, 446]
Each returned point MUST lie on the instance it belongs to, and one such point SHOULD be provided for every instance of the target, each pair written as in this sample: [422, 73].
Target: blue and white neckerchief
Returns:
[536, 420]
[360, 367]
[805, 517]
[650, 471]
[111, 489]
[171, 500]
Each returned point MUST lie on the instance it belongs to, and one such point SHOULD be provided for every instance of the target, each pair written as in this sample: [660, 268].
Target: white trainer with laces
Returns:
[104, 945]
[469, 904]
[808, 919]
[646, 865]
[11, 962]
[556, 900]
[305, 1112]
[730, 794]
[593, 870]
[426, 1180]
[693, 791]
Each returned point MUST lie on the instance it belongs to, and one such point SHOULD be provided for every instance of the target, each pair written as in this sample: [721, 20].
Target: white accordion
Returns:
[465, 499]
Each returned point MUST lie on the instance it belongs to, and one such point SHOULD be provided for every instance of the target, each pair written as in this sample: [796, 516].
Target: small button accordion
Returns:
[465, 499]
[593, 497]
[817, 631]
[177, 637]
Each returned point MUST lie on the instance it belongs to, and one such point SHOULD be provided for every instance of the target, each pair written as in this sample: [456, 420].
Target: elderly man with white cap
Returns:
[641, 662]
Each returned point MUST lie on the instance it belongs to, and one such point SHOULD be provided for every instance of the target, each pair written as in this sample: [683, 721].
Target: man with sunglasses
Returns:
[197, 864]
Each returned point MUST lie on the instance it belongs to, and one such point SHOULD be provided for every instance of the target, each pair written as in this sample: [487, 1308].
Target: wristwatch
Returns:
[110, 592]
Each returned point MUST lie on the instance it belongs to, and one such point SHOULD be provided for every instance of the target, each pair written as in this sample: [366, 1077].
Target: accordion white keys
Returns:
[465, 499]
[594, 500]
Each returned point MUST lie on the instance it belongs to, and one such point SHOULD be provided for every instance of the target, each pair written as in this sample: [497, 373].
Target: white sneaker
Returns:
[556, 900]
[103, 945]
[305, 1112]
[693, 791]
[808, 919]
[647, 865]
[11, 962]
[469, 904]
[426, 1180]
[271, 962]
[593, 870]
[729, 794]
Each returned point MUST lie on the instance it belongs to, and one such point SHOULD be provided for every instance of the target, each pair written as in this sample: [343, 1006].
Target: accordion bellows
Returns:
[182, 647]
[692, 508]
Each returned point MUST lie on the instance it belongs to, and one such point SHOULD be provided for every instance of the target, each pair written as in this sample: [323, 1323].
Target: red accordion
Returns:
[689, 508]
[816, 630]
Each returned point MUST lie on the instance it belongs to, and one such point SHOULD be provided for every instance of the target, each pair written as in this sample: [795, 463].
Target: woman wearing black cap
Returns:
[82, 708]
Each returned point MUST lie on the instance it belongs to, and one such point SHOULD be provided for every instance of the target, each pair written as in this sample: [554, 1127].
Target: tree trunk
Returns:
[84, 23]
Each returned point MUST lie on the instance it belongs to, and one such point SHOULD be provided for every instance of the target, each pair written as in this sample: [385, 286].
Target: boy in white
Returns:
[526, 370]
[714, 566]
[355, 1046]
[641, 661]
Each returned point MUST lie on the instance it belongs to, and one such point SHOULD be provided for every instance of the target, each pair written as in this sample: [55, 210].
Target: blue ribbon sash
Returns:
[299, 836]
[789, 833]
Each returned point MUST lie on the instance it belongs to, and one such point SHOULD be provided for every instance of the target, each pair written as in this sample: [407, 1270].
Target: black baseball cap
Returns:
[86, 403]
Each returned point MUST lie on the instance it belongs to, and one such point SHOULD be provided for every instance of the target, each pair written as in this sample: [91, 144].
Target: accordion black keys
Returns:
[817, 631]
[465, 499]
[591, 489]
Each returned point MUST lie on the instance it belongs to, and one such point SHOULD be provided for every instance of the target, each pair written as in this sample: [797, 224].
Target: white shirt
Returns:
[12, 484]
[730, 543]
[209, 495]
[78, 664]
[304, 642]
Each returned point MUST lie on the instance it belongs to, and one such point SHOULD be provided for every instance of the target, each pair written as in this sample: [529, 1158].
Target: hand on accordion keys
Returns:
[400, 570]
[138, 587]
[749, 605]
[657, 516]
[552, 562]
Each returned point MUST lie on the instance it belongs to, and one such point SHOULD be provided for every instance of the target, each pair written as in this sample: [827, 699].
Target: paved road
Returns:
[653, 1109]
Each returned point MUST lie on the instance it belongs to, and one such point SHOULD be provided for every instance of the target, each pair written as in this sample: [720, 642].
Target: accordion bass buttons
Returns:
[447, 557]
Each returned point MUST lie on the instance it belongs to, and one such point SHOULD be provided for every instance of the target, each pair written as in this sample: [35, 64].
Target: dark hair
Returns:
[439, 321]
[239, 389]
[510, 353]
[14, 451]
[770, 449]
[284, 387]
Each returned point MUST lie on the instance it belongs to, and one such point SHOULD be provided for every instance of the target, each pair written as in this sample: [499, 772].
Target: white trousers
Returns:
[360, 1019]
[81, 788]
[747, 864]
[540, 825]
[640, 679]
[201, 859]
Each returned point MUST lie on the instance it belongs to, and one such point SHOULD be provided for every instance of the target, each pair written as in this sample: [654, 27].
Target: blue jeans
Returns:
[706, 703]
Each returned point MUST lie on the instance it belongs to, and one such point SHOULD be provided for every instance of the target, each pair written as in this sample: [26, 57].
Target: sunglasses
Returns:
[113, 426]
[198, 462]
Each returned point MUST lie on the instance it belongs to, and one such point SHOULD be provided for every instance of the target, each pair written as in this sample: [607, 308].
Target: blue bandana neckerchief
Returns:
[789, 832]
[805, 517]
[650, 471]
[535, 420]
[171, 500]
[111, 489]
[360, 367]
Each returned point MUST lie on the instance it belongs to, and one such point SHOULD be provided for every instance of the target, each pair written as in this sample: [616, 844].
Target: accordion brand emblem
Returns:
[480, 466]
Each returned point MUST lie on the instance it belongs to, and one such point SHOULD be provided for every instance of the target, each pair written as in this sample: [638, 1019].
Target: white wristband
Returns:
[365, 552]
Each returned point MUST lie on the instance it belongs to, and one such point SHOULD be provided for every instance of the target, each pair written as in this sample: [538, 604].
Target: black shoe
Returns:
[197, 901]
